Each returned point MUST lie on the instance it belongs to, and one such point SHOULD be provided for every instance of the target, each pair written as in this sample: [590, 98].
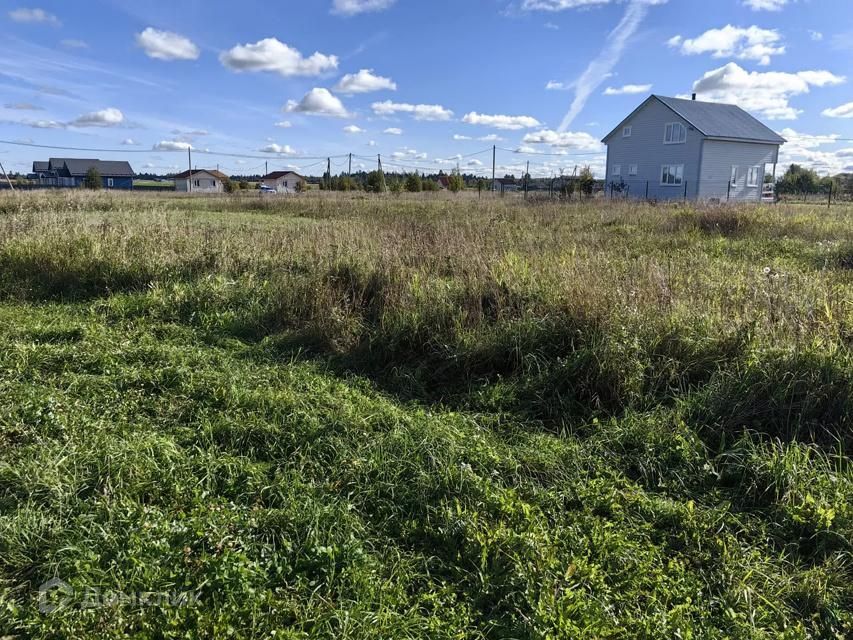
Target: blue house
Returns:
[671, 148]
[71, 172]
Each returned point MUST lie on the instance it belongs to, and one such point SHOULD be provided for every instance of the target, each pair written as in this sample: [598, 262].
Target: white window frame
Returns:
[110, 182]
[669, 128]
[626, 131]
[752, 179]
[734, 176]
[632, 169]
[674, 169]
[616, 170]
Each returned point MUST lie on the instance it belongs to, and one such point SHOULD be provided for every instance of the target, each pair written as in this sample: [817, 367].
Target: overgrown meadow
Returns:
[425, 417]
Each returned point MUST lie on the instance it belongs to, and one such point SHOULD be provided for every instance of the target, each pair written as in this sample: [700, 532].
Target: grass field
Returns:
[365, 417]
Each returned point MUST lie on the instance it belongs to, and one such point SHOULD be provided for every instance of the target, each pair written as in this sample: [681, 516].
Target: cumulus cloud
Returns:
[285, 150]
[767, 94]
[110, 117]
[765, 5]
[129, 142]
[508, 123]
[172, 145]
[492, 137]
[578, 140]
[816, 36]
[34, 16]
[272, 55]
[418, 111]
[393, 131]
[364, 81]
[752, 43]
[166, 45]
[318, 102]
[44, 124]
[628, 89]
[353, 129]
[456, 136]
[283, 124]
[554, 85]
[354, 7]
[844, 111]
[807, 149]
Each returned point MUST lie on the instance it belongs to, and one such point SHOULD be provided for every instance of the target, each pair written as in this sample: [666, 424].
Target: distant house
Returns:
[71, 172]
[670, 148]
[443, 181]
[502, 185]
[284, 181]
[200, 181]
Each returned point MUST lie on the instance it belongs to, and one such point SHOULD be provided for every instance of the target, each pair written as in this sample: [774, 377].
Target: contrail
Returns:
[598, 69]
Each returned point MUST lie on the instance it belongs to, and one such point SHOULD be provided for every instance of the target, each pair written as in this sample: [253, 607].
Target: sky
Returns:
[428, 85]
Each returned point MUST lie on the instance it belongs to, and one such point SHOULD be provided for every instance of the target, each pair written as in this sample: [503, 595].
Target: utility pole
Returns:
[329, 174]
[266, 167]
[190, 162]
[381, 173]
[349, 166]
[526, 179]
[494, 155]
[5, 175]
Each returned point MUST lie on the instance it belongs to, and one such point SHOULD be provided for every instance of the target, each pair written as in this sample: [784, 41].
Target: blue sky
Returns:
[426, 84]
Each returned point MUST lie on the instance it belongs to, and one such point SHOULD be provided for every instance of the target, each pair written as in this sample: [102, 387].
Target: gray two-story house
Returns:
[670, 148]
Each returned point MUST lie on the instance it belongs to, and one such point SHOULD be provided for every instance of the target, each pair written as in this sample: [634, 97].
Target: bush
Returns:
[93, 180]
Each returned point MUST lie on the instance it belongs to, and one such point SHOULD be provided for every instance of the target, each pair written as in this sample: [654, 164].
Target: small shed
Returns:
[284, 181]
[200, 181]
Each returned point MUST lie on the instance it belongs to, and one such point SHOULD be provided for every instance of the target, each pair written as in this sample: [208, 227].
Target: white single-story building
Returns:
[284, 181]
[201, 181]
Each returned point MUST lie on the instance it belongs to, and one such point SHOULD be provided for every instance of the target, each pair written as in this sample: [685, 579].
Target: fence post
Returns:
[647, 189]
[728, 190]
[685, 191]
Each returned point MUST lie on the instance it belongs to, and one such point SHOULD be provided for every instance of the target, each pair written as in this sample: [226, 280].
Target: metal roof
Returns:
[197, 172]
[715, 120]
[81, 166]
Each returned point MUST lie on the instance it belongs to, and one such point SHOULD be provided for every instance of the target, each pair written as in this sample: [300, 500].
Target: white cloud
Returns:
[508, 123]
[806, 149]
[166, 45]
[34, 16]
[554, 85]
[353, 129]
[579, 140]
[601, 67]
[816, 36]
[371, 143]
[418, 111]
[129, 142]
[286, 150]
[766, 94]
[172, 145]
[475, 163]
[70, 43]
[393, 131]
[272, 55]
[765, 5]
[318, 102]
[44, 124]
[353, 7]
[364, 81]
[559, 5]
[752, 43]
[552, 26]
[283, 124]
[456, 136]
[492, 137]
[110, 117]
[628, 89]
[844, 111]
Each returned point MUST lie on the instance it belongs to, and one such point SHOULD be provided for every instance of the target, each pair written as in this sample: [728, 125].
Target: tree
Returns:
[430, 185]
[455, 182]
[375, 182]
[93, 179]
[798, 179]
[300, 186]
[586, 181]
[228, 186]
[414, 184]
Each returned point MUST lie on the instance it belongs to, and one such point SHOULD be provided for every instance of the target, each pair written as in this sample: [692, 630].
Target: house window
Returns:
[197, 183]
[617, 170]
[752, 176]
[675, 133]
[632, 169]
[672, 175]
[110, 182]
[733, 179]
[626, 132]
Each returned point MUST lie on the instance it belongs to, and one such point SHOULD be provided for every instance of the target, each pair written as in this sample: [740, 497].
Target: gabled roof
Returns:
[41, 166]
[213, 172]
[81, 166]
[275, 175]
[714, 120]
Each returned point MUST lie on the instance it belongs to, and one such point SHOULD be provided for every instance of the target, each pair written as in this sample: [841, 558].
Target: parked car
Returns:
[265, 189]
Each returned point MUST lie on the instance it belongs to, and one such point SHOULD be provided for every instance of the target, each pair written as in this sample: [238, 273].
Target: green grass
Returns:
[359, 417]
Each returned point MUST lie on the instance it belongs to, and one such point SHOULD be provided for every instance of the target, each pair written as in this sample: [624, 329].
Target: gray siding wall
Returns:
[718, 158]
[646, 149]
